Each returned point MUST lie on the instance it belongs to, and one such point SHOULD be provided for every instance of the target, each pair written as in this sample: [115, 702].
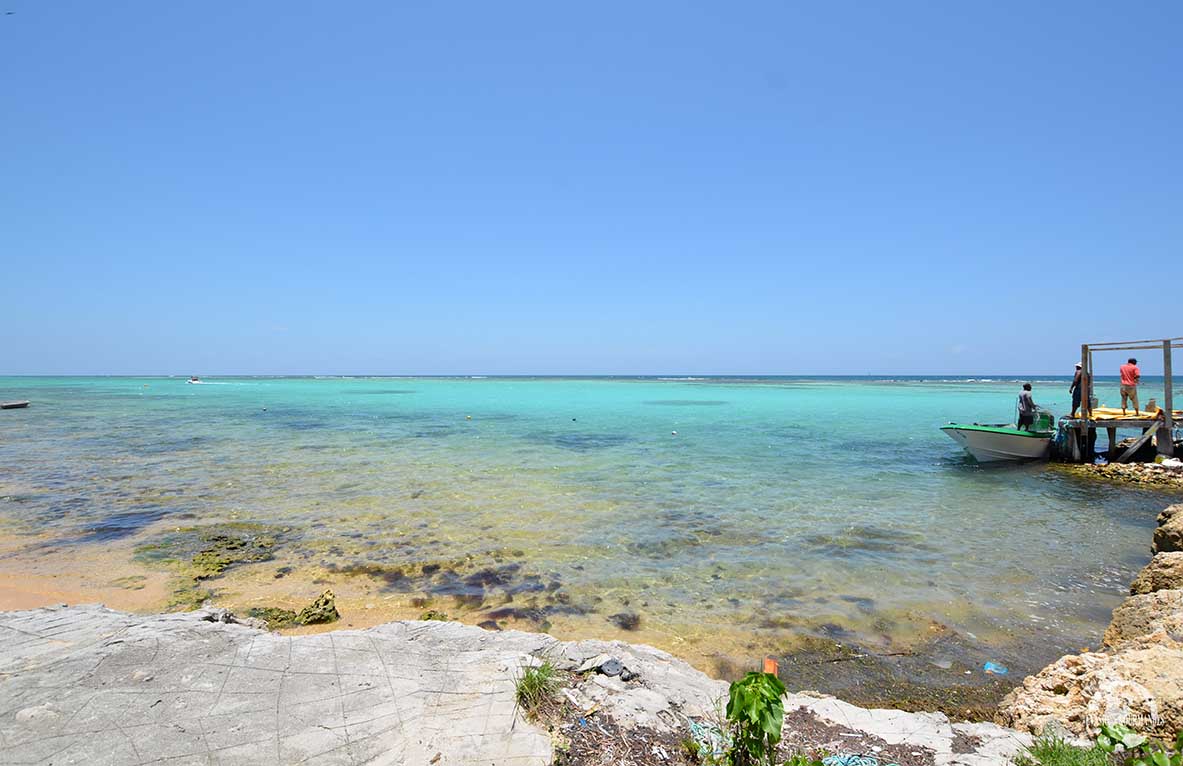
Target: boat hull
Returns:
[992, 444]
[13, 405]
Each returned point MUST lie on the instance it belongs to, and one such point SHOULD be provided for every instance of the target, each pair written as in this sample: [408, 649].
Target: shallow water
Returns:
[781, 507]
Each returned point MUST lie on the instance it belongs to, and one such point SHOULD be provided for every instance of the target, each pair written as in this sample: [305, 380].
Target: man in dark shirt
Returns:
[1077, 388]
[1027, 408]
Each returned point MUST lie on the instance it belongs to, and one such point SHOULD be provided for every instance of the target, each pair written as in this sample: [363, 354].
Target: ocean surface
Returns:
[702, 514]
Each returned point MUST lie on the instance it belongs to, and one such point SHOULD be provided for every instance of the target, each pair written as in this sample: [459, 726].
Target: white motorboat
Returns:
[993, 442]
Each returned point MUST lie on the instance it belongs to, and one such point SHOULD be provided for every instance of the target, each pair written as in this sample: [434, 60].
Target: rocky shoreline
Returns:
[1143, 474]
[1138, 678]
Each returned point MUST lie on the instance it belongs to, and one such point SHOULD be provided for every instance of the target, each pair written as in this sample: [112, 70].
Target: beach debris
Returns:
[322, 610]
[995, 669]
[608, 665]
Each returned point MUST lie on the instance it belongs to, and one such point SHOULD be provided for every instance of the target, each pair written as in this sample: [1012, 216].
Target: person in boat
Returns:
[1027, 408]
[1078, 387]
[1130, 375]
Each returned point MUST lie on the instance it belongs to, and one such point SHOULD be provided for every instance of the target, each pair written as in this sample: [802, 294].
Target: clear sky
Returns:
[658, 187]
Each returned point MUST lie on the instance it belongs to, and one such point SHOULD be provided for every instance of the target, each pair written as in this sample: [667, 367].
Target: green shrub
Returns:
[801, 759]
[756, 713]
[1143, 750]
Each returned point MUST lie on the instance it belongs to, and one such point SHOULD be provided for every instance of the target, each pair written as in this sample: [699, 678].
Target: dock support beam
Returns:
[1166, 444]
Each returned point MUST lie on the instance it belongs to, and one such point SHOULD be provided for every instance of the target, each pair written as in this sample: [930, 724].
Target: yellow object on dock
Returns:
[1115, 413]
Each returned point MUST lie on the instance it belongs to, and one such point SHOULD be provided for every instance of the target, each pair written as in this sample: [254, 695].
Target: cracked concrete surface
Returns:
[88, 685]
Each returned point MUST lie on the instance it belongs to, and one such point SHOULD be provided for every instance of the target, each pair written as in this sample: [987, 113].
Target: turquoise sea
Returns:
[781, 507]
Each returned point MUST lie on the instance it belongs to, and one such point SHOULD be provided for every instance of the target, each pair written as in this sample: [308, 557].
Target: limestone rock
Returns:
[405, 692]
[1141, 686]
[1139, 616]
[323, 609]
[1169, 535]
[1164, 572]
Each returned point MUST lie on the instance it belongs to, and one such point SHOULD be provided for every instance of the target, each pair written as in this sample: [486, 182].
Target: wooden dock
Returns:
[1159, 423]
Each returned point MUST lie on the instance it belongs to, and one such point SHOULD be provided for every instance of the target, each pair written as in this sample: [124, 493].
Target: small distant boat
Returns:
[992, 443]
[13, 405]
[194, 379]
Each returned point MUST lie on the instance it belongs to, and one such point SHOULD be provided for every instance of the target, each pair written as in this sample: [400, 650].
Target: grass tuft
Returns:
[536, 684]
[1054, 751]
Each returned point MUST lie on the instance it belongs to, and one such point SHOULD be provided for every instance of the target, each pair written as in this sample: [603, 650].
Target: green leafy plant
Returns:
[1116, 737]
[801, 759]
[536, 684]
[755, 713]
[1050, 750]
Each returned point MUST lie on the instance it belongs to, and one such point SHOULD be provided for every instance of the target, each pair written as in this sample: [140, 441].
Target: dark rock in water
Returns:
[488, 625]
[211, 550]
[322, 610]
[283, 572]
[625, 620]
[864, 604]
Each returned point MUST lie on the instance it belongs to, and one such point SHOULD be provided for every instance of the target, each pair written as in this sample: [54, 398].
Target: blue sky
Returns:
[278, 187]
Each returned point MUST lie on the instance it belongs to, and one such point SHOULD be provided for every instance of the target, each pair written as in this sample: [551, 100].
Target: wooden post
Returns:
[1081, 438]
[1112, 443]
[1166, 444]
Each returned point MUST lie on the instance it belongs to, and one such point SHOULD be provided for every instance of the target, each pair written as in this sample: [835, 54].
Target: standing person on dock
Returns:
[1027, 408]
[1077, 388]
[1130, 375]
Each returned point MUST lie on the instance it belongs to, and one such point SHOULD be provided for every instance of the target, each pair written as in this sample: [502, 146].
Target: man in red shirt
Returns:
[1130, 375]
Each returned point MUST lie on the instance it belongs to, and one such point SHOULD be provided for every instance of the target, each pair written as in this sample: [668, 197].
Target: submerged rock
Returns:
[1164, 572]
[322, 610]
[202, 553]
[625, 620]
[1169, 535]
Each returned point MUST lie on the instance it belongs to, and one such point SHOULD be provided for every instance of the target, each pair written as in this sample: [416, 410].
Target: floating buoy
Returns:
[673, 433]
[468, 417]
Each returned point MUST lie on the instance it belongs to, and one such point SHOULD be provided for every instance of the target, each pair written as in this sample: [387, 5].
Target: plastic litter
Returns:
[852, 759]
[710, 739]
[1100, 461]
[612, 667]
[996, 669]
